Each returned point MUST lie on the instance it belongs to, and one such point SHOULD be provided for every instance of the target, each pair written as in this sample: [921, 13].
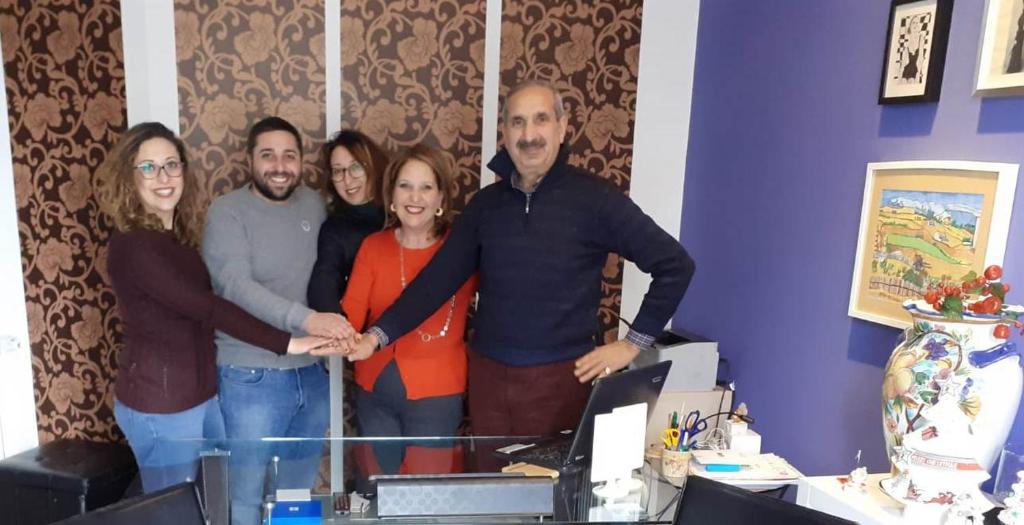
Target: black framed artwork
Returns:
[915, 51]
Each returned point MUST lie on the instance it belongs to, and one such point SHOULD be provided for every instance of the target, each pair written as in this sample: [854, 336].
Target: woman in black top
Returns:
[355, 164]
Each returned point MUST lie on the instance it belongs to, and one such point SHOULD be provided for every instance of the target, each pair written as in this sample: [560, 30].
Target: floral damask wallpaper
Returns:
[413, 72]
[64, 77]
[242, 60]
[590, 49]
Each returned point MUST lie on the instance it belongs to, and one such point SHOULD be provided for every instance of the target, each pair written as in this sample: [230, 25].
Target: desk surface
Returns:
[871, 507]
[454, 461]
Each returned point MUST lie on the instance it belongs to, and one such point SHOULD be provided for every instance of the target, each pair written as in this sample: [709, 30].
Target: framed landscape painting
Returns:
[1001, 55]
[925, 223]
[915, 51]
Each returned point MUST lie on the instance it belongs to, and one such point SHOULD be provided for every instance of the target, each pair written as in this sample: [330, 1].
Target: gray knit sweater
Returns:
[260, 255]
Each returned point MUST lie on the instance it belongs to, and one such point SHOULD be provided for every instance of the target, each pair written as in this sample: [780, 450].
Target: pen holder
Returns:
[675, 465]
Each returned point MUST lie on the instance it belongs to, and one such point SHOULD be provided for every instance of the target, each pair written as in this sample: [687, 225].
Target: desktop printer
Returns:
[694, 361]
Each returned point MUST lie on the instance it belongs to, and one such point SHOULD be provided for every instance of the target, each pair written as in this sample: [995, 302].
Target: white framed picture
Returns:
[924, 224]
[1001, 55]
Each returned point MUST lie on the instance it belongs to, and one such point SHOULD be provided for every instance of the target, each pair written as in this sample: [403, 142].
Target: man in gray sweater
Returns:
[260, 246]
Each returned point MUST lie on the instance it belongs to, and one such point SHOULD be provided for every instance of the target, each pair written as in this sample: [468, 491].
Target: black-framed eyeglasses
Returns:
[353, 171]
[150, 170]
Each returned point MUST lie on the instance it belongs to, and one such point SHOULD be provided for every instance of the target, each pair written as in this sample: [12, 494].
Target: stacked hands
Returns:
[331, 334]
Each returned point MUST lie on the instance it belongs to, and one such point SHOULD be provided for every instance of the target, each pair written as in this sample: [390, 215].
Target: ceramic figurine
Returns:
[857, 481]
[1013, 514]
[741, 410]
[963, 512]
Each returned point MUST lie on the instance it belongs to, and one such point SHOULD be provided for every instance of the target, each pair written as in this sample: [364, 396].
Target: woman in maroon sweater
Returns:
[166, 386]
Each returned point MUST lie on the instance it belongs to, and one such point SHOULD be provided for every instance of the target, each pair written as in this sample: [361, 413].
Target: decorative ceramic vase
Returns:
[949, 397]
[962, 364]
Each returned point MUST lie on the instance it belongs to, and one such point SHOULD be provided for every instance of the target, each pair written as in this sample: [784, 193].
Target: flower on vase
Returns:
[936, 349]
[900, 378]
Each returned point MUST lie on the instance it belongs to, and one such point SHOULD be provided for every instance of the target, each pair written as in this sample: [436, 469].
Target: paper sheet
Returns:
[759, 467]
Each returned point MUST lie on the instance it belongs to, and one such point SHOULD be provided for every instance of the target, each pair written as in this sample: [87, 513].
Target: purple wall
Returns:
[784, 121]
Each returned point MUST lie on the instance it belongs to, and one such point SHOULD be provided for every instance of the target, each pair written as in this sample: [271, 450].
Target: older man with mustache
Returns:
[540, 238]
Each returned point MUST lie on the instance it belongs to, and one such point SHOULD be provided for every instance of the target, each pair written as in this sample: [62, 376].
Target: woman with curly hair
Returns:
[166, 386]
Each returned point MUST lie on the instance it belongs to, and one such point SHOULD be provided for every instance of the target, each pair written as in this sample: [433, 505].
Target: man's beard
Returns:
[261, 186]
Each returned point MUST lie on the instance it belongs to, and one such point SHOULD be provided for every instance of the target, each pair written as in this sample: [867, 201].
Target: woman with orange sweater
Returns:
[414, 386]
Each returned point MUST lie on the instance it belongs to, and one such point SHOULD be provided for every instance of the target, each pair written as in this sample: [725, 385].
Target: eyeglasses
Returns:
[149, 169]
[353, 171]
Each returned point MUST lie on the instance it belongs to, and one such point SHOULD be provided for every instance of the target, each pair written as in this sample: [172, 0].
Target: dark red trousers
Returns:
[521, 401]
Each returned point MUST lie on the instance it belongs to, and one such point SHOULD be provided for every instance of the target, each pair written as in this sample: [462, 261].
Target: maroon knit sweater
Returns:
[168, 362]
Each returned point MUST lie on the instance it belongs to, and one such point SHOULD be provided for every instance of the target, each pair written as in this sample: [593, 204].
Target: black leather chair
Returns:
[63, 478]
[710, 502]
[175, 505]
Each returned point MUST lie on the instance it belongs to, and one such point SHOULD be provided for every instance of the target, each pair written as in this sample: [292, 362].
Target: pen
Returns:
[722, 467]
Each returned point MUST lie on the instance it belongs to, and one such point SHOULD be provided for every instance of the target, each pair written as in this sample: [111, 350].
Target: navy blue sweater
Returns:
[540, 259]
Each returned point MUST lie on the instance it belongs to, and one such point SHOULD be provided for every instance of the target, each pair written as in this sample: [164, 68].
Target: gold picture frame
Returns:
[924, 223]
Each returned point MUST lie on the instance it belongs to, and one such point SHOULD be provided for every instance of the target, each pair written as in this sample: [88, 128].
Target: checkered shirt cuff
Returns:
[639, 340]
[382, 338]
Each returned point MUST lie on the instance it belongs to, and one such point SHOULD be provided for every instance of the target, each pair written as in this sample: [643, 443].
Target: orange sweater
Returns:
[428, 369]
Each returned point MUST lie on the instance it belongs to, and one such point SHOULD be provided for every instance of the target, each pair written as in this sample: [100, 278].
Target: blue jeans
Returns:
[166, 446]
[268, 402]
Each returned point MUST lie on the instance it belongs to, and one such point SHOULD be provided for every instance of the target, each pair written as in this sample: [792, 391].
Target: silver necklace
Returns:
[451, 305]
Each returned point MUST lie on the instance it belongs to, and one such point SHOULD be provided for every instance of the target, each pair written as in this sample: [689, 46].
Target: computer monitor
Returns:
[708, 501]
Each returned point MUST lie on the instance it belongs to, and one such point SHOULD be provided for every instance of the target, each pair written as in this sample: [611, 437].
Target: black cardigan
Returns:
[340, 237]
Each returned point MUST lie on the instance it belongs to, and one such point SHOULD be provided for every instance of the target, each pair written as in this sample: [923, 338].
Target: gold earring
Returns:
[439, 212]
[393, 208]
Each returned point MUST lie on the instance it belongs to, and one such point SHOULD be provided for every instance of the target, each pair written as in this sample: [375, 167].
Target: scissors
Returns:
[693, 425]
[670, 437]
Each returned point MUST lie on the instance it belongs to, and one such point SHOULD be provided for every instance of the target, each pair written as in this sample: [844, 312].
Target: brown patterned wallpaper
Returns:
[239, 61]
[590, 49]
[65, 90]
[413, 72]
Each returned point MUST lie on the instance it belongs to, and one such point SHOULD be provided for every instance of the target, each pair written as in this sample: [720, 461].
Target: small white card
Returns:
[514, 448]
[293, 495]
